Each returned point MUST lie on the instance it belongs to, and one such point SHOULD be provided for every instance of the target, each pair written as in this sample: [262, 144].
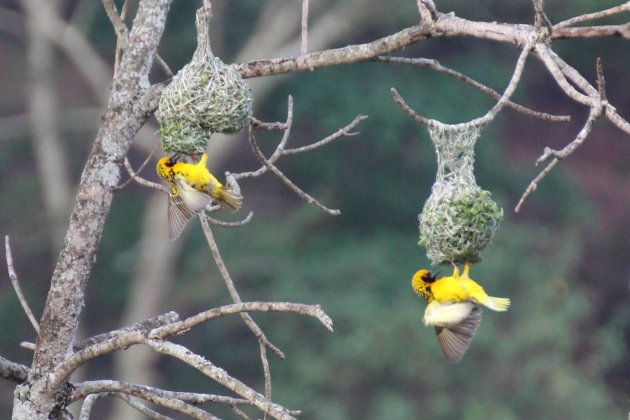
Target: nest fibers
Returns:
[459, 219]
[206, 96]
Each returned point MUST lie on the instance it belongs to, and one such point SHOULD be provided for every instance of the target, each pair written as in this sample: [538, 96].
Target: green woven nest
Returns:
[456, 227]
[206, 96]
[202, 99]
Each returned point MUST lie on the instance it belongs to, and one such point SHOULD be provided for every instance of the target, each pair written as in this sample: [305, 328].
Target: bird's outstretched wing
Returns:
[455, 340]
[182, 207]
[194, 199]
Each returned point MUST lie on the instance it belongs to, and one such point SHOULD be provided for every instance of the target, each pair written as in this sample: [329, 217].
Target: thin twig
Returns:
[239, 223]
[407, 109]
[300, 193]
[266, 372]
[119, 27]
[595, 113]
[534, 184]
[546, 55]
[489, 116]
[91, 390]
[122, 33]
[220, 376]
[16, 286]
[240, 413]
[137, 405]
[140, 169]
[511, 87]
[304, 28]
[435, 65]
[428, 13]
[229, 283]
[84, 389]
[303, 61]
[345, 131]
[593, 32]
[601, 82]
[280, 147]
[27, 345]
[178, 327]
[541, 19]
[143, 181]
[575, 77]
[596, 15]
[86, 407]
[275, 126]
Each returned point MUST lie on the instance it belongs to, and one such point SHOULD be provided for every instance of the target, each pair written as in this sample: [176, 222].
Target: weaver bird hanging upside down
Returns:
[454, 308]
[193, 189]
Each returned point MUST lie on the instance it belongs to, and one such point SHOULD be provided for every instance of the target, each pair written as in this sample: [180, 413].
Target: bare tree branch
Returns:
[122, 33]
[221, 376]
[300, 193]
[489, 116]
[435, 65]
[16, 286]
[133, 402]
[622, 31]
[131, 103]
[239, 223]
[596, 112]
[229, 283]
[342, 132]
[140, 326]
[13, 371]
[134, 175]
[268, 164]
[622, 8]
[137, 405]
[166, 399]
[122, 339]
[304, 31]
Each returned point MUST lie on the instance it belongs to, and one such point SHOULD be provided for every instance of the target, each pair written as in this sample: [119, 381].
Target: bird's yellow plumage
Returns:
[193, 188]
[454, 308]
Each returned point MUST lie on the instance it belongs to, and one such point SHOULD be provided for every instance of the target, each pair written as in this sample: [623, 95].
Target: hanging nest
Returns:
[457, 227]
[459, 219]
[206, 96]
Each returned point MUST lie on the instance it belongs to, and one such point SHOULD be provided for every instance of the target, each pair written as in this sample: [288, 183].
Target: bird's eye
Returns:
[429, 278]
[171, 161]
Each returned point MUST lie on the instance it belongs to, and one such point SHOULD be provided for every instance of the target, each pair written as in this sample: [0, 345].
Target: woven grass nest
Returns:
[459, 219]
[456, 227]
[206, 96]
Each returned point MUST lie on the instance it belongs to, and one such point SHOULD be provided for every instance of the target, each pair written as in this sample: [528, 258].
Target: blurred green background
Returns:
[560, 352]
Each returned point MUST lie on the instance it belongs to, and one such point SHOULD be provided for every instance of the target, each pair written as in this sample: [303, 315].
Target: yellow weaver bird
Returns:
[193, 188]
[454, 308]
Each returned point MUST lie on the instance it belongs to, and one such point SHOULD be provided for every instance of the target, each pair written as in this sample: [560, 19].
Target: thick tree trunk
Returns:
[132, 102]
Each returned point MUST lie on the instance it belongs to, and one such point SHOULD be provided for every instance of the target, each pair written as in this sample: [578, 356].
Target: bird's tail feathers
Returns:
[498, 304]
[231, 198]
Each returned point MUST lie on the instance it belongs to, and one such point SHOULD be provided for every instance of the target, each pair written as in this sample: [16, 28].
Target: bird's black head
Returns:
[172, 160]
[429, 277]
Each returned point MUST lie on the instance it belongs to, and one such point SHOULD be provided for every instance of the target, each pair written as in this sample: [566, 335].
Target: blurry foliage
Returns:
[526, 363]
[547, 357]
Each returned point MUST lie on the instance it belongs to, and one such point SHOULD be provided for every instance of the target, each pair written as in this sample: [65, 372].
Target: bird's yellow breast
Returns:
[450, 289]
